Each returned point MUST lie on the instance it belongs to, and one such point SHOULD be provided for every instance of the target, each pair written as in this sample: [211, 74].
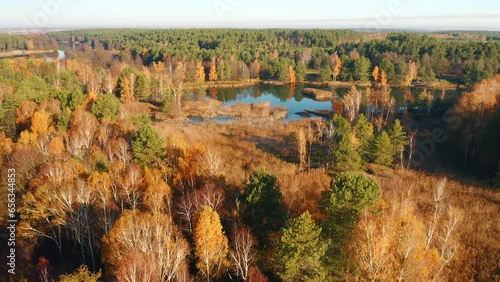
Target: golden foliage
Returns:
[337, 65]
[40, 123]
[200, 72]
[89, 100]
[157, 195]
[212, 75]
[145, 247]
[293, 77]
[211, 245]
[376, 74]
[56, 146]
[383, 79]
[126, 91]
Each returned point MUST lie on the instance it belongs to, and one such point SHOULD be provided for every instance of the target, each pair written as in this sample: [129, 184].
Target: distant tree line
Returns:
[26, 42]
[275, 50]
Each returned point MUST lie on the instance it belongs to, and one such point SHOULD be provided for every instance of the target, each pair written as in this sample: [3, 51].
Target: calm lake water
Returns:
[291, 97]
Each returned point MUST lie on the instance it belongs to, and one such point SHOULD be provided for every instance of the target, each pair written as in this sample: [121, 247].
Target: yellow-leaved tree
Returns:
[200, 72]
[211, 245]
[212, 75]
[337, 66]
[376, 74]
[145, 247]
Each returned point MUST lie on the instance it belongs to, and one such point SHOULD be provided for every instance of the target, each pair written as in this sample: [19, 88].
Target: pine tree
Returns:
[301, 250]
[211, 245]
[361, 69]
[364, 132]
[341, 125]
[300, 71]
[383, 150]
[142, 91]
[351, 191]
[106, 105]
[398, 139]
[346, 158]
[147, 146]
[349, 194]
[264, 209]
[326, 74]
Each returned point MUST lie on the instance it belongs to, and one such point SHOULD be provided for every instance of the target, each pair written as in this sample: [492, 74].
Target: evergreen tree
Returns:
[326, 73]
[389, 68]
[398, 139]
[223, 70]
[264, 209]
[383, 150]
[361, 69]
[300, 71]
[142, 91]
[346, 158]
[341, 125]
[147, 146]
[351, 191]
[106, 105]
[364, 132]
[301, 250]
[349, 194]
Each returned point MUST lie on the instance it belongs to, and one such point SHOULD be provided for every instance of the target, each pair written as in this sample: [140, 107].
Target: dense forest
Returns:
[274, 51]
[113, 183]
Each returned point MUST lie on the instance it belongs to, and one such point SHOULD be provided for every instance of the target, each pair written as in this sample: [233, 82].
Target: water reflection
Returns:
[291, 97]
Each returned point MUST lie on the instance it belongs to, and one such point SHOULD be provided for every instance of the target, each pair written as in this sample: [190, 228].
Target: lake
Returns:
[291, 97]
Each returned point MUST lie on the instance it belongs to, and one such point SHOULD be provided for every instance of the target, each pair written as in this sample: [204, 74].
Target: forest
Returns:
[113, 182]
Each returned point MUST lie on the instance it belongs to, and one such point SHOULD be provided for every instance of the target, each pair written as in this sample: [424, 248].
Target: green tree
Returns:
[301, 251]
[63, 119]
[33, 88]
[399, 140]
[389, 68]
[106, 105]
[147, 146]
[326, 73]
[351, 191]
[401, 72]
[383, 150]
[364, 132]
[341, 125]
[142, 91]
[346, 157]
[349, 194]
[70, 99]
[223, 70]
[300, 71]
[361, 69]
[264, 211]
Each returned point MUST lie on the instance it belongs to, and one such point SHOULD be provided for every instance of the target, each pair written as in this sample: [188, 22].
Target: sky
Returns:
[373, 14]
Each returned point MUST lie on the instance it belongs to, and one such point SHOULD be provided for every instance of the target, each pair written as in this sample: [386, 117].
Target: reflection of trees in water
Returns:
[440, 97]
[213, 93]
[257, 91]
[291, 91]
[404, 96]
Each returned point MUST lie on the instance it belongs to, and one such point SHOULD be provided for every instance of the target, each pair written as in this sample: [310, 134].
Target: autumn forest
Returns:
[121, 159]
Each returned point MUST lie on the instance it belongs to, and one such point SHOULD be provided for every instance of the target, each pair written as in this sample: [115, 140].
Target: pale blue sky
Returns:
[415, 14]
